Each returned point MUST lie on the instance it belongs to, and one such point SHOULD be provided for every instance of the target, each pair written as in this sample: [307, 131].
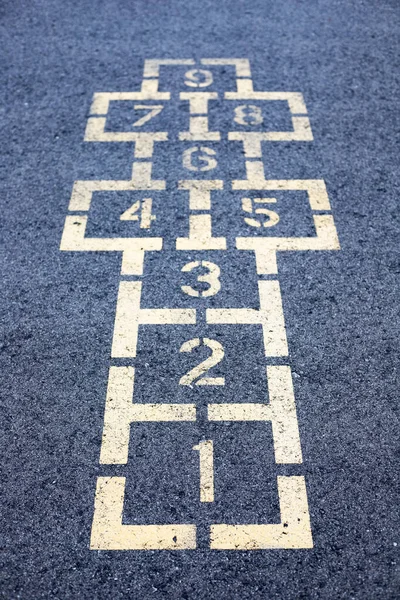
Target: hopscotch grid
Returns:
[121, 411]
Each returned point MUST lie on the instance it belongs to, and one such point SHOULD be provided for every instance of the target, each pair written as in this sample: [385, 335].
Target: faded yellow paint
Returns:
[108, 532]
[326, 239]
[154, 110]
[198, 101]
[152, 65]
[200, 192]
[198, 122]
[200, 226]
[248, 114]
[204, 154]
[206, 456]
[101, 100]
[245, 92]
[132, 262]
[73, 239]
[266, 262]
[129, 316]
[269, 315]
[144, 141]
[252, 139]
[315, 188]
[281, 411]
[140, 211]
[200, 235]
[141, 179]
[198, 78]
[247, 206]
[120, 412]
[294, 530]
[198, 131]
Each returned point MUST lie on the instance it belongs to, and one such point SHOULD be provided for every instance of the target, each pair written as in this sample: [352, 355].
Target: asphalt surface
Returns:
[341, 307]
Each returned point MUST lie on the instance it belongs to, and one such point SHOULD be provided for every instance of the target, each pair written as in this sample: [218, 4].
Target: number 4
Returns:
[132, 213]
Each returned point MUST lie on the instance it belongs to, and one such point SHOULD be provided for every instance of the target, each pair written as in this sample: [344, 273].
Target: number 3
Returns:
[212, 278]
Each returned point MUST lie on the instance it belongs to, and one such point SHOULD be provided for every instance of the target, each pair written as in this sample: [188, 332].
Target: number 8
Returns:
[248, 114]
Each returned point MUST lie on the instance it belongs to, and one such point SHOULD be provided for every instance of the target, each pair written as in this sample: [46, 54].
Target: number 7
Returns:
[154, 109]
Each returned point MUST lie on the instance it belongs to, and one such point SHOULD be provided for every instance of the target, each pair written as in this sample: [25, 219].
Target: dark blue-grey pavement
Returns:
[341, 308]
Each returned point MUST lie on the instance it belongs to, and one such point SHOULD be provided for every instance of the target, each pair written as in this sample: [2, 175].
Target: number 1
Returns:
[206, 455]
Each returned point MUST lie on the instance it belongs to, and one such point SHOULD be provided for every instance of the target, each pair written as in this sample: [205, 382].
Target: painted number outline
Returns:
[197, 373]
[212, 278]
[272, 216]
[154, 109]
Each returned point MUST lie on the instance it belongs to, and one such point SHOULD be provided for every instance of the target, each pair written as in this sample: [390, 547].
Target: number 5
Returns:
[272, 216]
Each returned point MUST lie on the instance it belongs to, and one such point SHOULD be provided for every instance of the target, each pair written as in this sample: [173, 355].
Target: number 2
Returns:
[199, 371]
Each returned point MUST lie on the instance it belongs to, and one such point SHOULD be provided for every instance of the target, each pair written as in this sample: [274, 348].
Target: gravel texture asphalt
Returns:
[341, 307]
